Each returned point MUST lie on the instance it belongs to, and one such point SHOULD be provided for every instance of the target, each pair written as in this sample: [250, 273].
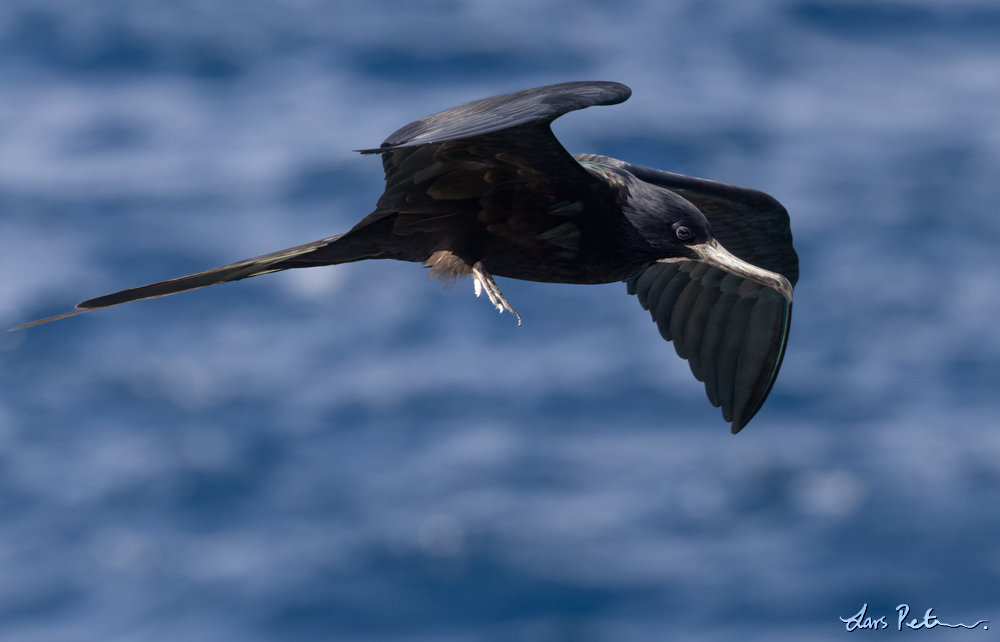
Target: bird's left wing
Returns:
[732, 331]
[541, 104]
[488, 162]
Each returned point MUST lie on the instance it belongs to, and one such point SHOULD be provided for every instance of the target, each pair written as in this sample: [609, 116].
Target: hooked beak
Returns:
[712, 253]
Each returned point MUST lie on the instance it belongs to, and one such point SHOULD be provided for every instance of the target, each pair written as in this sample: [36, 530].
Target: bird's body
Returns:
[486, 189]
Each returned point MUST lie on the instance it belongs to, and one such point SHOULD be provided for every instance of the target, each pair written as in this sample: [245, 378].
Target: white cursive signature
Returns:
[930, 621]
[861, 620]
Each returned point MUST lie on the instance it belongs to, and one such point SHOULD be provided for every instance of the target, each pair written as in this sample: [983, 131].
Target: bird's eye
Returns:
[684, 233]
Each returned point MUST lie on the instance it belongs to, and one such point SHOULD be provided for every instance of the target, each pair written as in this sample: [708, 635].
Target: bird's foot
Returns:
[483, 281]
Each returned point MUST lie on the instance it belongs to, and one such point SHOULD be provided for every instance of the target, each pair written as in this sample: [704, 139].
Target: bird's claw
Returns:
[482, 280]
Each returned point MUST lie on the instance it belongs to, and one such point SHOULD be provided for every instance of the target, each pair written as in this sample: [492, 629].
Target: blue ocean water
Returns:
[355, 453]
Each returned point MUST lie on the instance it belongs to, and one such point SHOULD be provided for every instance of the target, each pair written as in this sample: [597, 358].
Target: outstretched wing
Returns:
[491, 165]
[540, 105]
[732, 331]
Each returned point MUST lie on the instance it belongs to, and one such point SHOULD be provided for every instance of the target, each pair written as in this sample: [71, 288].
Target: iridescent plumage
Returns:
[485, 189]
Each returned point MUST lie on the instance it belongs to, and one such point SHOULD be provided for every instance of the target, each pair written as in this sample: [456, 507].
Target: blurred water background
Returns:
[354, 453]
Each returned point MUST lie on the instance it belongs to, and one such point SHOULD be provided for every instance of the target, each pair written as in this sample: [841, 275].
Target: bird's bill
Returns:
[712, 253]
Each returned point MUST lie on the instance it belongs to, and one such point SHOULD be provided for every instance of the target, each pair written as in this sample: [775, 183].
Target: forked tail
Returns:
[274, 262]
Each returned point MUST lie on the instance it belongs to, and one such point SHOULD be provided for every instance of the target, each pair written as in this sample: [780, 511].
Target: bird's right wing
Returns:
[732, 331]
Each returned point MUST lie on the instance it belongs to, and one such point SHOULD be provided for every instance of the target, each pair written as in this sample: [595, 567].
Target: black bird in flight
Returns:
[485, 189]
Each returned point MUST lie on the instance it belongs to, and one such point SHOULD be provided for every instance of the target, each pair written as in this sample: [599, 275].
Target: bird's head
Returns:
[675, 230]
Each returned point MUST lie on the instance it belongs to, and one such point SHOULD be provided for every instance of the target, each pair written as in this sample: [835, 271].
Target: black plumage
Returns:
[485, 189]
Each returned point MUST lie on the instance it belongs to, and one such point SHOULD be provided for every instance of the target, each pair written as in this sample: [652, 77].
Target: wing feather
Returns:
[711, 343]
[640, 285]
[694, 328]
[681, 311]
[729, 353]
[662, 279]
[731, 330]
[662, 308]
[765, 323]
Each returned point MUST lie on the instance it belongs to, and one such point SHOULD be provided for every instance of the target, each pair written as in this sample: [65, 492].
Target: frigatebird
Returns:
[486, 189]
